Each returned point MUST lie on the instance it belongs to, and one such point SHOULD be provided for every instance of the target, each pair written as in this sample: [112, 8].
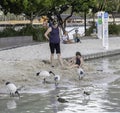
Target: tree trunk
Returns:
[85, 22]
[113, 18]
[93, 20]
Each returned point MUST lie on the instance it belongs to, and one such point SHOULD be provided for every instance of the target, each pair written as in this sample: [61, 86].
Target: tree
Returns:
[50, 8]
[113, 7]
[74, 6]
[30, 8]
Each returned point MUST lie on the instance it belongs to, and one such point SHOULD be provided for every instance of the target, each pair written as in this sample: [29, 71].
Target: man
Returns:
[53, 35]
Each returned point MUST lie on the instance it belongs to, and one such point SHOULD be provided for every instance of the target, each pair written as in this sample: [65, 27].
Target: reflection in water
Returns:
[11, 104]
[113, 97]
[85, 101]
[105, 96]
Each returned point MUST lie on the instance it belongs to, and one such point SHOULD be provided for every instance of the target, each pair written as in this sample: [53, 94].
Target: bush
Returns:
[90, 30]
[9, 31]
[28, 30]
[114, 29]
[36, 32]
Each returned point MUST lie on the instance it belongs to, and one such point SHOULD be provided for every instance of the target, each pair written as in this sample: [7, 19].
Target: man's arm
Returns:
[60, 32]
[47, 32]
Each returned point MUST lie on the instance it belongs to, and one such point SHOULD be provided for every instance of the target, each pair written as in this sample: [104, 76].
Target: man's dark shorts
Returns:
[55, 46]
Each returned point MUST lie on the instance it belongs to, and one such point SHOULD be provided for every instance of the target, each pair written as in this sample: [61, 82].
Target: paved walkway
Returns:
[90, 48]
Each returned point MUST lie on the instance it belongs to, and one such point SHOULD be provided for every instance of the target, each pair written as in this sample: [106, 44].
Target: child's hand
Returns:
[71, 61]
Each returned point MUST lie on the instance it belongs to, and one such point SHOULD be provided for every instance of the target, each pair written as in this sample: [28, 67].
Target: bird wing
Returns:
[44, 73]
[12, 88]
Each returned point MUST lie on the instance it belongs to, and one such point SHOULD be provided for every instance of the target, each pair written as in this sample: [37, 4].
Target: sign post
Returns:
[99, 25]
[102, 28]
[105, 30]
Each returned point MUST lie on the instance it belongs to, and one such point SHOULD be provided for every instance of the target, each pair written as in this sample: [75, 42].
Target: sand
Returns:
[20, 65]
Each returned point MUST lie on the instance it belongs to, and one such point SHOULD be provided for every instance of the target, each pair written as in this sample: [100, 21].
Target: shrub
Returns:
[9, 31]
[28, 30]
[90, 30]
[114, 29]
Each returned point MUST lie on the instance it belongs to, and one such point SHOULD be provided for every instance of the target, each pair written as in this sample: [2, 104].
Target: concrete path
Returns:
[93, 48]
[89, 48]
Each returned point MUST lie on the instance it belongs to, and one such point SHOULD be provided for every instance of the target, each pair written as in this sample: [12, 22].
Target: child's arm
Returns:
[81, 59]
[72, 60]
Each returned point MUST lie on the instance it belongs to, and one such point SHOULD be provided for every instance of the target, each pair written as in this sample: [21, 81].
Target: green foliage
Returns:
[9, 31]
[114, 29]
[36, 32]
[27, 30]
[90, 30]
[112, 6]
[30, 8]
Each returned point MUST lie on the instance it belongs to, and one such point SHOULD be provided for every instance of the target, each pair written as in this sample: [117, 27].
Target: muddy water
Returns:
[104, 93]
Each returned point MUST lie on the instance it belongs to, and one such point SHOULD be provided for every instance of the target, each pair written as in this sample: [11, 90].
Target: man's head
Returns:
[55, 23]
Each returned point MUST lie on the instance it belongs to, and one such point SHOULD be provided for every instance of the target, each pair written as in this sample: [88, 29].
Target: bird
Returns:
[45, 74]
[12, 89]
[86, 94]
[61, 100]
[56, 78]
[80, 73]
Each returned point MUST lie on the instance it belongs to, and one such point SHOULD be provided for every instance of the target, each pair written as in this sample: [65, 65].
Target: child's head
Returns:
[76, 30]
[78, 54]
[65, 32]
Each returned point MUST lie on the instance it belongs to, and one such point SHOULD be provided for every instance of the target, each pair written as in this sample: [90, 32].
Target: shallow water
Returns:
[104, 94]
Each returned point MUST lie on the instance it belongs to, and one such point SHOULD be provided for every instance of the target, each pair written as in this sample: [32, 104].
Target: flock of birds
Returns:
[14, 91]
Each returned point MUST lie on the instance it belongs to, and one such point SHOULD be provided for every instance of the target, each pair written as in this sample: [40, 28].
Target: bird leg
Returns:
[44, 80]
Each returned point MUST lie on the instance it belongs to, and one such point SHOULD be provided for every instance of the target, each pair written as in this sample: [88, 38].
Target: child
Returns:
[65, 38]
[77, 61]
[76, 36]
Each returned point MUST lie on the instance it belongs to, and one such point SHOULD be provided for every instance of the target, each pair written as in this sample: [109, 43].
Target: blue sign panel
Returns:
[105, 15]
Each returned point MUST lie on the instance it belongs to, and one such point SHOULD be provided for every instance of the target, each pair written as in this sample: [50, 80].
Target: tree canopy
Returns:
[50, 8]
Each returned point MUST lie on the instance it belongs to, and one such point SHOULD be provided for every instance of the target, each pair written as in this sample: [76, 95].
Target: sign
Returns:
[105, 30]
[102, 28]
[99, 25]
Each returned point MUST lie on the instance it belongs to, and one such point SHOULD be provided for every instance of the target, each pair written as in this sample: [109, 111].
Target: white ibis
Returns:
[12, 89]
[45, 74]
[80, 73]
